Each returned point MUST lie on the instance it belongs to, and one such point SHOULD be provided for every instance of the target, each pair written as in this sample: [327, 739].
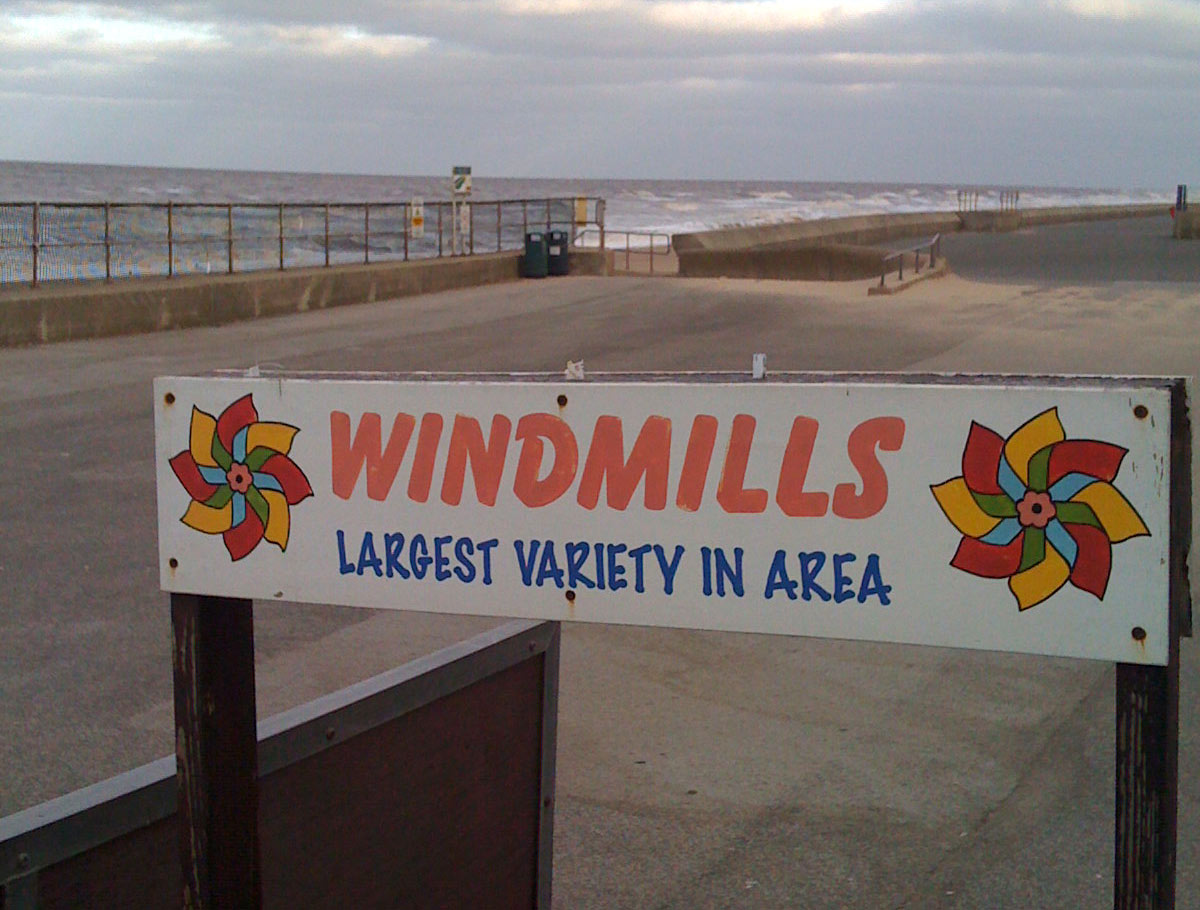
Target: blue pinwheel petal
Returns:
[214, 476]
[239, 445]
[267, 482]
[239, 509]
[1068, 485]
[1004, 533]
[1009, 482]
[1062, 541]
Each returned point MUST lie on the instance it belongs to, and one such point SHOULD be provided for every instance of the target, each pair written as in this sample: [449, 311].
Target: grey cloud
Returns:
[931, 91]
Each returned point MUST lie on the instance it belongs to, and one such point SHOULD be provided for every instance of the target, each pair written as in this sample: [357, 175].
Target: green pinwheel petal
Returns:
[1076, 513]
[219, 499]
[1039, 470]
[1034, 549]
[996, 505]
[259, 504]
[220, 456]
[256, 459]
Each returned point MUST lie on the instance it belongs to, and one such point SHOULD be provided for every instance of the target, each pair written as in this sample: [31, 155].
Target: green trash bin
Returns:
[536, 262]
[557, 246]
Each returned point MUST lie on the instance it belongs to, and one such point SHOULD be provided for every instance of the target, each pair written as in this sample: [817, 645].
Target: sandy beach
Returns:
[695, 770]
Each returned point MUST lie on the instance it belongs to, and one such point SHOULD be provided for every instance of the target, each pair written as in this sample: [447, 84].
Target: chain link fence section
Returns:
[60, 242]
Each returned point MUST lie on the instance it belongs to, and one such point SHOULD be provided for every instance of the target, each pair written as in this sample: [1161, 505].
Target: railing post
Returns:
[107, 247]
[170, 239]
[326, 235]
[499, 227]
[524, 219]
[366, 232]
[547, 215]
[470, 229]
[281, 236]
[439, 210]
[407, 227]
[33, 240]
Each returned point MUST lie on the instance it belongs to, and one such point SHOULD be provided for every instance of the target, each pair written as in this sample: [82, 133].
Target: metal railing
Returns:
[968, 200]
[650, 248]
[64, 241]
[933, 244]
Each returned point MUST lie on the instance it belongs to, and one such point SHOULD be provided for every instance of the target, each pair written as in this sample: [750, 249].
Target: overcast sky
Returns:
[1078, 92]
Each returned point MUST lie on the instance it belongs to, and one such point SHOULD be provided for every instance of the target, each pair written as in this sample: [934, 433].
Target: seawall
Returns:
[818, 250]
[64, 312]
[861, 230]
[1186, 224]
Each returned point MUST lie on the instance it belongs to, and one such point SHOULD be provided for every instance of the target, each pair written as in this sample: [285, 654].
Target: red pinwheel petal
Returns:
[981, 459]
[240, 414]
[295, 485]
[989, 560]
[1094, 561]
[1096, 459]
[185, 468]
[241, 539]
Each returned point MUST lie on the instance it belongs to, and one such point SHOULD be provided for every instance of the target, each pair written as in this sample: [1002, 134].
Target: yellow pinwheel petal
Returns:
[278, 520]
[207, 519]
[276, 436]
[962, 510]
[1034, 585]
[1030, 438]
[204, 426]
[1118, 518]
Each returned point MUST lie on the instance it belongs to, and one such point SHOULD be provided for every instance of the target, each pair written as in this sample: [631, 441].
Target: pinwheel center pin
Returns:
[239, 478]
[1036, 510]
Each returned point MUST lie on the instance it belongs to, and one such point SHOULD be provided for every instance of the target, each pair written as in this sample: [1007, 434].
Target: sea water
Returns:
[667, 206]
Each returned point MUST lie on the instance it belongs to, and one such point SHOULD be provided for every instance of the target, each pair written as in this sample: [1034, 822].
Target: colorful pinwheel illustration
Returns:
[1038, 509]
[240, 478]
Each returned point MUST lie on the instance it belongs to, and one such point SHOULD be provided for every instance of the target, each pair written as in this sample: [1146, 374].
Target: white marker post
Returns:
[461, 186]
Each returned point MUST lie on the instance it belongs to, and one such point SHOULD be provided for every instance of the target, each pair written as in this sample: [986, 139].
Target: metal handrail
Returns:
[651, 237]
[934, 245]
[361, 229]
[968, 200]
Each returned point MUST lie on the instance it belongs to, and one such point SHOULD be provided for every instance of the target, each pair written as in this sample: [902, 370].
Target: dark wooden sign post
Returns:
[1147, 785]
[216, 751]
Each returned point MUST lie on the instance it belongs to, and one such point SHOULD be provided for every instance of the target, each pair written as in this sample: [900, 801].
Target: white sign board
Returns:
[1004, 516]
[461, 180]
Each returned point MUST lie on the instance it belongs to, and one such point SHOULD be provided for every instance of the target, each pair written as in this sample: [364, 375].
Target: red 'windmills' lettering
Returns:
[616, 463]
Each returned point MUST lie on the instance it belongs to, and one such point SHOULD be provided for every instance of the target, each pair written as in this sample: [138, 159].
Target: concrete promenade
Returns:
[695, 770]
